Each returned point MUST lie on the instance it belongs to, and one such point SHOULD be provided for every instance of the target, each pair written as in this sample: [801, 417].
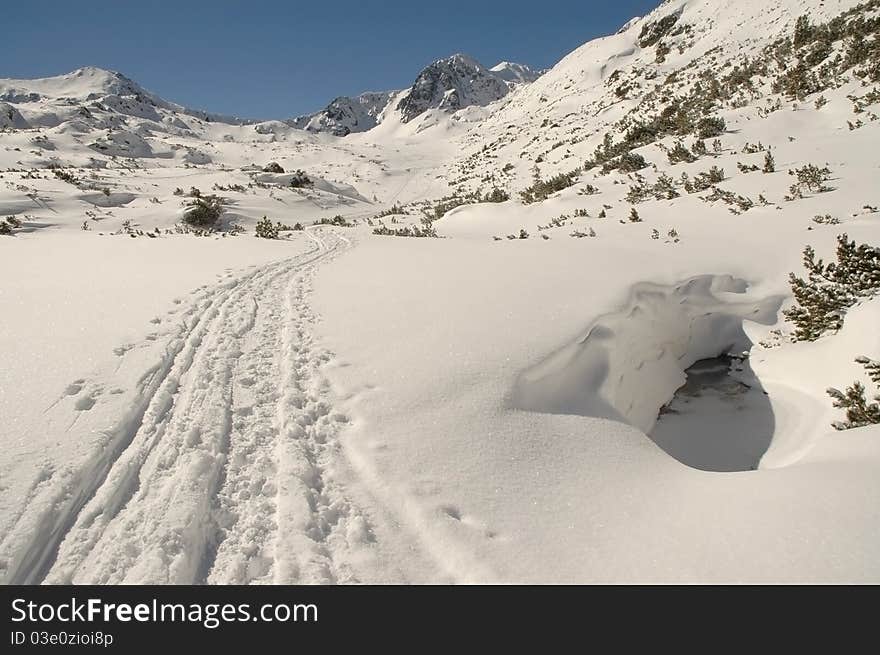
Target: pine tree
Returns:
[821, 300]
[859, 412]
[266, 229]
[857, 267]
[769, 163]
[679, 153]
[813, 177]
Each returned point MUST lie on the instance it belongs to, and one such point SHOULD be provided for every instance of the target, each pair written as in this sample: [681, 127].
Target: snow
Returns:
[337, 406]
[513, 72]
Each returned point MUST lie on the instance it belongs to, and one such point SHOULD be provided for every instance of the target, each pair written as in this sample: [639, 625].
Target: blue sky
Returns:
[267, 59]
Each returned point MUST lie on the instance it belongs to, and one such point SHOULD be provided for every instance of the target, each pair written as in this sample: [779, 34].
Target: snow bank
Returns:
[631, 362]
[118, 199]
[123, 143]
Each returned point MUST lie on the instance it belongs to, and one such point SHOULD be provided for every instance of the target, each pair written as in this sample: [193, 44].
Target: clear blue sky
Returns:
[268, 59]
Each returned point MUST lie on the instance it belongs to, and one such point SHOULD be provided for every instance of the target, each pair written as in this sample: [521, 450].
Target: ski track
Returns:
[222, 470]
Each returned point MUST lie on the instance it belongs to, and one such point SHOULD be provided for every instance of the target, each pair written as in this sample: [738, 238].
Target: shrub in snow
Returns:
[812, 177]
[738, 203]
[769, 163]
[711, 126]
[661, 51]
[338, 221]
[679, 153]
[859, 412]
[662, 189]
[273, 167]
[821, 300]
[8, 226]
[410, 231]
[626, 163]
[449, 203]
[654, 31]
[266, 229]
[64, 176]
[300, 180]
[496, 195]
[542, 189]
[203, 211]
[704, 180]
[799, 81]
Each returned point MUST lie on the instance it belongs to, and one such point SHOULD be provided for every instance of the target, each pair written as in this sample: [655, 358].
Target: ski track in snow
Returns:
[222, 471]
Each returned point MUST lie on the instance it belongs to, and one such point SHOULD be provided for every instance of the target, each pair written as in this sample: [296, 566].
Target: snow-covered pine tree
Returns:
[857, 267]
[266, 229]
[859, 412]
[824, 296]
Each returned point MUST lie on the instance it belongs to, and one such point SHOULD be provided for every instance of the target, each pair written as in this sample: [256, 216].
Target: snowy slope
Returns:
[561, 117]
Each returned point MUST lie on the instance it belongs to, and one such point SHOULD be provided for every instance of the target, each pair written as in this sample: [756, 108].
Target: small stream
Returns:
[719, 420]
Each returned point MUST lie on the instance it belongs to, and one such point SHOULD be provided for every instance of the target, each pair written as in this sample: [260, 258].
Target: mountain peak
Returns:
[82, 84]
[461, 59]
[458, 81]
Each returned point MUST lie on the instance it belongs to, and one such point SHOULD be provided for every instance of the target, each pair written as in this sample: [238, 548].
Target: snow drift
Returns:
[631, 362]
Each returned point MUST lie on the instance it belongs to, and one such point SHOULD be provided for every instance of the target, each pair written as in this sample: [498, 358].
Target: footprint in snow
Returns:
[456, 514]
[74, 387]
[86, 402]
[451, 511]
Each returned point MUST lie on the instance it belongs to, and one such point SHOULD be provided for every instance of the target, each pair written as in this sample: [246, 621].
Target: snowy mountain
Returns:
[612, 366]
[448, 85]
[82, 85]
[456, 82]
[345, 115]
[96, 96]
